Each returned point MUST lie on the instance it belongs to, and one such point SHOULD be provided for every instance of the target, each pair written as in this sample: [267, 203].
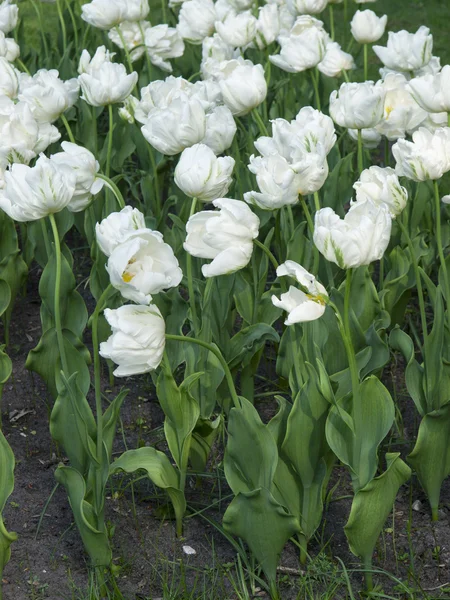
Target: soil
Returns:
[50, 562]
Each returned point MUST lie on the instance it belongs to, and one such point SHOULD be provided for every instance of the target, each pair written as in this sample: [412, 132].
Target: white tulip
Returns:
[85, 168]
[143, 264]
[314, 128]
[335, 61]
[126, 112]
[106, 14]
[9, 48]
[307, 304]
[381, 186]
[9, 79]
[241, 5]
[359, 239]
[366, 27]
[138, 339]
[9, 16]
[237, 30]
[196, 20]
[306, 7]
[46, 134]
[406, 51]
[117, 227]
[200, 174]
[226, 236]
[303, 47]
[268, 26]
[277, 181]
[432, 92]
[163, 42]
[357, 105]
[132, 33]
[31, 193]
[88, 64]
[426, 157]
[106, 84]
[220, 129]
[243, 85]
[47, 95]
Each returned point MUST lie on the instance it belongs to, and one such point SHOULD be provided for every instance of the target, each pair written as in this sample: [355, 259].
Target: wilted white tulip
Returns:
[220, 129]
[303, 47]
[106, 14]
[268, 26]
[366, 27]
[432, 92]
[243, 85]
[335, 61]
[143, 264]
[306, 7]
[31, 193]
[277, 181]
[85, 168]
[359, 239]
[132, 33]
[200, 174]
[406, 51]
[163, 42]
[302, 305]
[138, 339]
[9, 15]
[226, 236]
[426, 157]
[237, 30]
[9, 48]
[117, 227]
[106, 84]
[47, 95]
[381, 186]
[357, 105]
[9, 79]
[196, 20]
[371, 137]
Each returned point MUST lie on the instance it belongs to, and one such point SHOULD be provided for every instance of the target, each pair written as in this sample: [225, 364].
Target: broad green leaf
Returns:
[203, 437]
[110, 418]
[96, 542]
[263, 524]
[371, 507]
[7, 464]
[204, 389]
[244, 345]
[5, 296]
[414, 373]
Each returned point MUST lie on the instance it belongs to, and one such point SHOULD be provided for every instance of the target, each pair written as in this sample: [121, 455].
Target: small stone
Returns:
[417, 505]
[189, 550]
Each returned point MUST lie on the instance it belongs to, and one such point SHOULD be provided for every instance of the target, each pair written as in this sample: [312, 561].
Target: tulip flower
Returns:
[306, 7]
[242, 84]
[366, 27]
[214, 51]
[200, 174]
[220, 129]
[303, 48]
[9, 48]
[370, 138]
[268, 26]
[117, 227]
[132, 33]
[196, 20]
[335, 61]
[9, 79]
[9, 16]
[143, 265]
[237, 30]
[426, 157]
[359, 239]
[432, 92]
[381, 186]
[88, 64]
[278, 182]
[226, 236]
[48, 96]
[85, 168]
[106, 14]
[357, 105]
[31, 193]
[138, 339]
[302, 305]
[163, 42]
[406, 51]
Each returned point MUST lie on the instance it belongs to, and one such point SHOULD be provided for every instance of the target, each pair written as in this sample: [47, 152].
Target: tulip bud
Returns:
[117, 227]
[357, 105]
[30, 194]
[138, 339]
[143, 265]
[226, 236]
[9, 15]
[366, 27]
[196, 20]
[381, 186]
[359, 239]
[220, 129]
[304, 305]
[85, 168]
[200, 174]
[426, 157]
[9, 48]
[243, 85]
[406, 51]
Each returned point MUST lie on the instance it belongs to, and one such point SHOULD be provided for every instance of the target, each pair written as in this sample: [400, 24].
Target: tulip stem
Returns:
[158, 208]
[366, 62]
[317, 201]
[448, 119]
[37, 9]
[113, 187]
[315, 81]
[360, 152]
[257, 117]
[22, 66]
[58, 324]
[125, 49]
[440, 247]
[67, 126]
[48, 248]
[190, 280]
[63, 25]
[98, 408]
[331, 11]
[218, 354]
[74, 24]
[269, 254]
[110, 140]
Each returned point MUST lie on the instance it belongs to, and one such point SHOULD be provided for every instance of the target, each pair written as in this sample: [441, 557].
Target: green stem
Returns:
[74, 24]
[348, 334]
[48, 248]
[125, 49]
[110, 140]
[147, 57]
[113, 187]
[22, 66]
[58, 324]
[290, 218]
[366, 62]
[310, 223]
[346, 23]
[190, 281]
[269, 254]
[158, 207]
[63, 25]
[67, 126]
[331, 11]
[164, 12]
[218, 354]
[368, 577]
[448, 119]
[257, 117]
[317, 201]
[440, 247]
[360, 152]
[315, 80]
[37, 9]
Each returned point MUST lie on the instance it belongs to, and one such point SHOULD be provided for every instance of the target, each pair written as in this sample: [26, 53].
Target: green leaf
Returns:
[263, 524]
[5, 296]
[414, 373]
[7, 464]
[110, 418]
[371, 507]
[95, 542]
[203, 437]
[431, 454]
[245, 344]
